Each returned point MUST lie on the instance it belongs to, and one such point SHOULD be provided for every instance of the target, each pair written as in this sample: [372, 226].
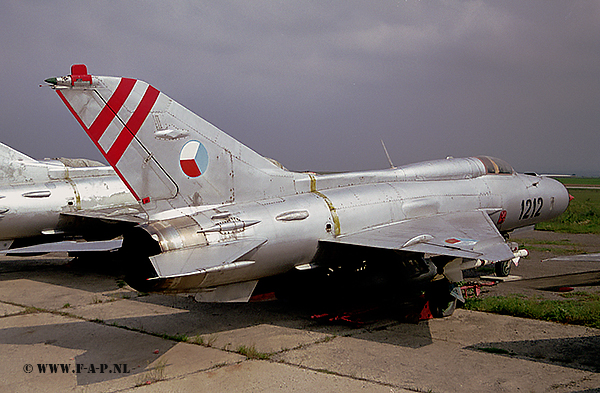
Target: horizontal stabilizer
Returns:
[470, 235]
[215, 257]
[68, 246]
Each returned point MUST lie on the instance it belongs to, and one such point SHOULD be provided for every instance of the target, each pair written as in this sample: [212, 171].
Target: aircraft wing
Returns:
[114, 220]
[67, 246]
[470, 235]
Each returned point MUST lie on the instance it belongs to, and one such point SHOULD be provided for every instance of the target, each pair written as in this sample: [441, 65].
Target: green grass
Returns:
[582, 215]
[252, 353]
[174, 337]
[587, 181]
[580, 308]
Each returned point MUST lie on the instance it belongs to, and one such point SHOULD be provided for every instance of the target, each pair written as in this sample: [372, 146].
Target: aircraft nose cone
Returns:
[51, 81]
[561, 196]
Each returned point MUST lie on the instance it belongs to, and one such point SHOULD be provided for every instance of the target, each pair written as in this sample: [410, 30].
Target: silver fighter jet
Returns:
[40, 202]
[220, 217]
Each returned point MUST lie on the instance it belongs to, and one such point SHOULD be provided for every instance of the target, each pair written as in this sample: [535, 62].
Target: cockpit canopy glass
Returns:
[496, 166]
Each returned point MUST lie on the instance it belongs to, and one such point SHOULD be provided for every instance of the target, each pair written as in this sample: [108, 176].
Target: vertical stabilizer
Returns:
[16, 167]
[166, 154]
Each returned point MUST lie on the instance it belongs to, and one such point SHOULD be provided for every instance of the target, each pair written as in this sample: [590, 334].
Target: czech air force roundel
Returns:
[193, 159]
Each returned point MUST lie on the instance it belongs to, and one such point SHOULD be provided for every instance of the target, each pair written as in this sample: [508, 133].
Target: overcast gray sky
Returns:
[317, 84]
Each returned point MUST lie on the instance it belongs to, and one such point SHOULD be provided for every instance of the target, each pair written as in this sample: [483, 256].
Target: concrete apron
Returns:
[111, 339]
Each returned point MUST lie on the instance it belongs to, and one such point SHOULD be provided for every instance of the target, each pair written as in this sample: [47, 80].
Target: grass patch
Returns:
[32, 310]
[582, 181]
[582, 215]
[174, 337]
[252, 353]
[577, 309]
[204, 341]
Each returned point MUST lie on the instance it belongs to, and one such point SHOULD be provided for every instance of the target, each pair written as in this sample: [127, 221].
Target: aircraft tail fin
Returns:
[16, 167]
[164, 152]
[8, 154]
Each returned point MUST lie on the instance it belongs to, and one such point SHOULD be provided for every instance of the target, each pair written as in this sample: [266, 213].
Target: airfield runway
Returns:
[64, 327]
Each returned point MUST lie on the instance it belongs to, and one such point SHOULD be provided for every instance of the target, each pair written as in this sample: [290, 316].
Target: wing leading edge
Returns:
[470, 235]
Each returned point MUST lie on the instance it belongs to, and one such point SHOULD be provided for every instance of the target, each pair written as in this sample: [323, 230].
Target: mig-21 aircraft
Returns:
[40, 202]
[219, 217]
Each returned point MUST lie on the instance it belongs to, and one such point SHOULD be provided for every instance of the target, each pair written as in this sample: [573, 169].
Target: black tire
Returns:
[441, 309]
[502, 268]
[441, 303]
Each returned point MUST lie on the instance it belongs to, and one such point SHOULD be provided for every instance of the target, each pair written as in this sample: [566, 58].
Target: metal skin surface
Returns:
[35, 195]
[221, 217]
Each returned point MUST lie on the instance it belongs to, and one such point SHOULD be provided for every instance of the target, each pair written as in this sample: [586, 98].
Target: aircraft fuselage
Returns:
[333, 205]
[33, 206]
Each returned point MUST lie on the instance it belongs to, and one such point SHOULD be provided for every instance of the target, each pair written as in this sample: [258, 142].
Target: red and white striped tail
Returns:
[112, 111]
[163, 151]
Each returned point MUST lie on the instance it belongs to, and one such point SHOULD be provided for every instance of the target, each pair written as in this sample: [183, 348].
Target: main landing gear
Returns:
[443, 297]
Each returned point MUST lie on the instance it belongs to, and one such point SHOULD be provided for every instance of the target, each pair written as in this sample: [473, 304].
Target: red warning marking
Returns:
[502, 217]
[452, 241]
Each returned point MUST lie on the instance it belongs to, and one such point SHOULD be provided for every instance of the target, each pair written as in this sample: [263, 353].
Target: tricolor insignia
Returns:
[193, 159]
[461, 242]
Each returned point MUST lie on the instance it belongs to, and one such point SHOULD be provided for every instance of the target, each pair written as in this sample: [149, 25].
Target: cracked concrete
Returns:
[52, 313]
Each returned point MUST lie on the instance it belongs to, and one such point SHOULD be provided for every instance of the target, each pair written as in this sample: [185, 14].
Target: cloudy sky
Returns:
[317, 84]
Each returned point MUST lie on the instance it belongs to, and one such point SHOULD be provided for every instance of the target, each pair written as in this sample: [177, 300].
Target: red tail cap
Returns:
[79, 74]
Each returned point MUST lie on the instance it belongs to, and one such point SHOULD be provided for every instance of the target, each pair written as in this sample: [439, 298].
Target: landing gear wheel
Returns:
[441, 302]
[502, 268]
[441, 309]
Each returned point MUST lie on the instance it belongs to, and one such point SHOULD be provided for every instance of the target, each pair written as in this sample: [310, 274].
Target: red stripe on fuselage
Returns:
[133, 125]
